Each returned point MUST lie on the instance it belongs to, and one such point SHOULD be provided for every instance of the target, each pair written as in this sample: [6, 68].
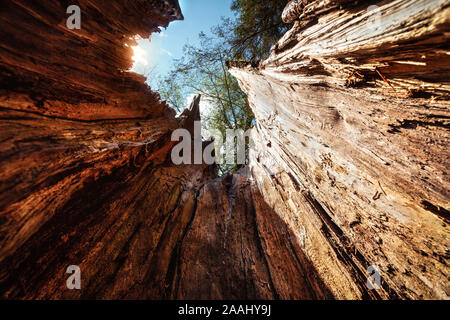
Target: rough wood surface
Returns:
[349, 167]
[357, 116]
[81, 73]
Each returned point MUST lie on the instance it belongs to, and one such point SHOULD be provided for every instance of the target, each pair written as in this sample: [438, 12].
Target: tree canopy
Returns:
[257, 27]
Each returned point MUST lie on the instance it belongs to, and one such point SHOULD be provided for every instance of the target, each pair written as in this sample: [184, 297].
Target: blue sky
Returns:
[199, 15]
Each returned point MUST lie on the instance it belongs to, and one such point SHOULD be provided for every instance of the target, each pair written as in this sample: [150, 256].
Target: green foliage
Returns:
[257, 27]
[202, 69]
[172, 91]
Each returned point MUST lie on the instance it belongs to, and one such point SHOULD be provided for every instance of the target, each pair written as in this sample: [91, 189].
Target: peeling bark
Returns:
[367, 157]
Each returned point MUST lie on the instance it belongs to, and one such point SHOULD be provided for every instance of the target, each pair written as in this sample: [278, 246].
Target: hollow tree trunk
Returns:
[348, 168]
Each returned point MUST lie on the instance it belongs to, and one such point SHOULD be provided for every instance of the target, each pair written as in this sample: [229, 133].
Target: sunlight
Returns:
[147, 55]
[139, 56]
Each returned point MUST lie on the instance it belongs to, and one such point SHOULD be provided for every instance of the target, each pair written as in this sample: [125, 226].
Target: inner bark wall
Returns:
[352, 133]
[86, 177]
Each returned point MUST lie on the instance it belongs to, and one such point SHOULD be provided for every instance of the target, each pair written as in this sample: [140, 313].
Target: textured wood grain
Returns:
[357, 117]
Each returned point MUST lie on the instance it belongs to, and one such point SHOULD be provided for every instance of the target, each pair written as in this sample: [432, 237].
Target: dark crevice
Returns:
[441, 212]
[68, 118]
[345, 251]
[173, 274]
[258, 240]
[413, 124]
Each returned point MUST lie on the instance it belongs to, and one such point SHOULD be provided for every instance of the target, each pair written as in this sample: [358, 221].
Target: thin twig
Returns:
[384, 78]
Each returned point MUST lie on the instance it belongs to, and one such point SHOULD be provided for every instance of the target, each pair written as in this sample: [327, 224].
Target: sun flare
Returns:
[139, 55]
